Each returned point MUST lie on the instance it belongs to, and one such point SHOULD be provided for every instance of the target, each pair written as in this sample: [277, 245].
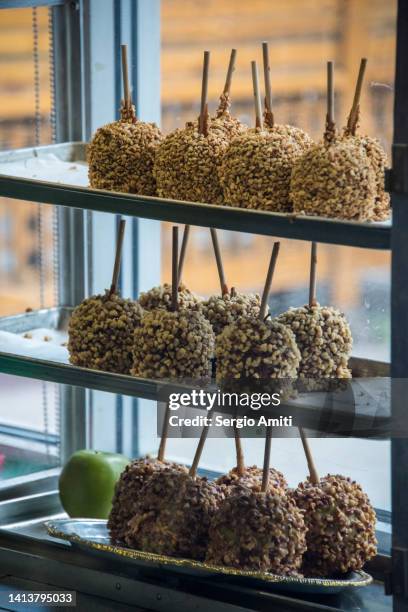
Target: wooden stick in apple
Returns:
[118, 257]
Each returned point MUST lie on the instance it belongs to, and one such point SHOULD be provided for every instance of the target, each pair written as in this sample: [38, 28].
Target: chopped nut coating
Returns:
[378, 160]
[258, 531]
[101, 331]
[221, 311]
[334, 180]
[160, 297]
[187, 162]
[121, 156]
[256, 168]
[341, 525]
[127, 492]
[324, 340]
[173, 345]
[173, 515]
[251, 349]
[252, 479]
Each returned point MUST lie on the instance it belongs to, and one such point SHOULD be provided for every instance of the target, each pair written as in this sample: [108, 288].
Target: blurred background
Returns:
[303, 35]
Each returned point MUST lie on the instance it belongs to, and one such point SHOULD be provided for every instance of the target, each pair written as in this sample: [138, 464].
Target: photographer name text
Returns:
[222, 421]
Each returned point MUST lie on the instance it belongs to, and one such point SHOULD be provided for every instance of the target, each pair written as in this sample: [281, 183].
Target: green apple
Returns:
[87, 483]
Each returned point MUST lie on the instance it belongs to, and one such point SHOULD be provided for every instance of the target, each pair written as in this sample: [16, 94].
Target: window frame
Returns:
[83, 235]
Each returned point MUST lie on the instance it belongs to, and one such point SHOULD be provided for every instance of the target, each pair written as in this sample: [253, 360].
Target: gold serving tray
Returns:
[92, 536]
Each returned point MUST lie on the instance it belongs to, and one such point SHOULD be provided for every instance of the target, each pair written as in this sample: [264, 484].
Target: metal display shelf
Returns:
[298, 227]
[62, 373]
[364, 407]
[27, 550]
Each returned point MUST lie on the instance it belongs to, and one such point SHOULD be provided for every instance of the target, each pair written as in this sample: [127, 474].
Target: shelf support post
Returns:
[399, 318]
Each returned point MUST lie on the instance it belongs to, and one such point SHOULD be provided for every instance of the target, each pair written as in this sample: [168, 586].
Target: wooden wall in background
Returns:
[302, 34]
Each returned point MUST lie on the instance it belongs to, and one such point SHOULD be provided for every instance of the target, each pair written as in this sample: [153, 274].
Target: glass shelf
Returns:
[368, 390]
[57, 174]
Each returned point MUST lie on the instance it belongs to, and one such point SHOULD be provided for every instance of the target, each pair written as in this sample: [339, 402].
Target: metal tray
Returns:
[91, 535]
[369, 415]
[67, 193]
[54, 318]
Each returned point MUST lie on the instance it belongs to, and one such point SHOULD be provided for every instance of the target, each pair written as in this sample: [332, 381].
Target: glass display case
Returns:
[50, 408]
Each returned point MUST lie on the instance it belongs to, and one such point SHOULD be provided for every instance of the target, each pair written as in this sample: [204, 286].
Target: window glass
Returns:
[29, 410]
[27, 231]
[29, 426]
